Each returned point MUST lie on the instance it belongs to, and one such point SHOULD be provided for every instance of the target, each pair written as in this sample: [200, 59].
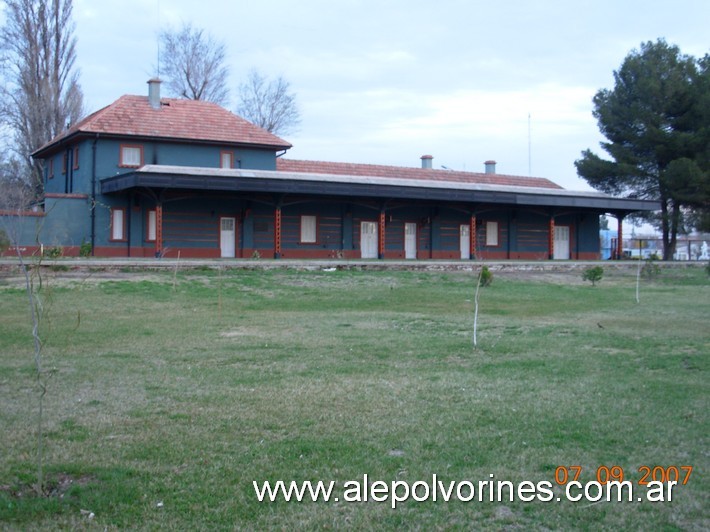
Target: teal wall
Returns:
[588, 233]
[78, 180]
[66, 223]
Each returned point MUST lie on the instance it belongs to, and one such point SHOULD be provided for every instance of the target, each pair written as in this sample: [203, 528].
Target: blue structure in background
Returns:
[605, 244]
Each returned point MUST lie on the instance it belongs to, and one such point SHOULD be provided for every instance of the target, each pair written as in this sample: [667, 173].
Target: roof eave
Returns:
[56, 145]
[281, 182]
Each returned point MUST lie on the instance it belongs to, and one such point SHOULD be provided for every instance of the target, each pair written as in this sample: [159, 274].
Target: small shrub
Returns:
[593, 274]
[52, 253]
[85, 249]
[256, 255]
[486, 276]
[4, 241]
[650, 269]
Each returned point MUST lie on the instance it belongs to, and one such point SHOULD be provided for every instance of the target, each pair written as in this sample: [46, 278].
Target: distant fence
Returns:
[645, 248]
[692, 250]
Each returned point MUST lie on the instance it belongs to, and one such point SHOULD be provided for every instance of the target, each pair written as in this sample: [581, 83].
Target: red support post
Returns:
[551, 238]
[381, 240]
[472, 236]
[277, 233]
[619, 239]
[159, 230]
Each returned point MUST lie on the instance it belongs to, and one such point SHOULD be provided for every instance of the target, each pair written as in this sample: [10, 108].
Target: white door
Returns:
[561, 249]
[465, 241]
[368, 240]
[410, 241]
[226, 237]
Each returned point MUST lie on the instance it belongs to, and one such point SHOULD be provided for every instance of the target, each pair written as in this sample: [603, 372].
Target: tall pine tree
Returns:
[656, 123]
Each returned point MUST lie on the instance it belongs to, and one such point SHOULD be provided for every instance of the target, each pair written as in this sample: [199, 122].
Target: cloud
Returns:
[461, 128]
[473, 113]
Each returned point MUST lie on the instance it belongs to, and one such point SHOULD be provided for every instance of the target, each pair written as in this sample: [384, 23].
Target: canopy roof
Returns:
[282, 182]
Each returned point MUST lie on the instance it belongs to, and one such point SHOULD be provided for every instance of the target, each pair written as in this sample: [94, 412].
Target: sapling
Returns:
[593, 274]
[177, 262]
[650, 270]
[638, 281]
[485, 278]
[14, 200]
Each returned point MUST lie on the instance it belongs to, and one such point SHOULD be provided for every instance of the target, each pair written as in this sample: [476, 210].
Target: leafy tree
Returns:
[486, 276]
[269, 104]
[41, 95]
[194, 64]
[593, 274]
[694, 186]
[657, 123]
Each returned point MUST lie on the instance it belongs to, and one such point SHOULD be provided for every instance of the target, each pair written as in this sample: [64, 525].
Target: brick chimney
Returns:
[154, 93]
[426, 161]
[490, 167]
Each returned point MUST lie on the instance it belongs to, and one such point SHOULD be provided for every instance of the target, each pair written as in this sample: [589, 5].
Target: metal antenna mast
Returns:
[529, 148]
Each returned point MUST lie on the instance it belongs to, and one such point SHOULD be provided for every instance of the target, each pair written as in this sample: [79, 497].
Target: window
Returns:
[131, 156]
[50, 169]
[117, 224]
[308, 229]
[491, 233]
[64, 164]
[227, 224]
[76, 157]
[152, 226]
[226, 159]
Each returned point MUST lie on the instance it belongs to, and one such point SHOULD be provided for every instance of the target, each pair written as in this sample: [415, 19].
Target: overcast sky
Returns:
[385, 82]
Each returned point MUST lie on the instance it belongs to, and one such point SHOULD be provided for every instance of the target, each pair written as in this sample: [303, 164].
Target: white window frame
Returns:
[229, 226]
[309, 233]
[152, 232]
[131, 156]
[118, 220]
[226, 159]
[492, 234]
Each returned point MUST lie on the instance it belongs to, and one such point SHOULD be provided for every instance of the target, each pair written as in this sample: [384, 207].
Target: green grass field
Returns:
[170, 397]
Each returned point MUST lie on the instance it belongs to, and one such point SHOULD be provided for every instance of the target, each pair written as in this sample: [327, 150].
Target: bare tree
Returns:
[15, 192]
[193, 63]
[269, 104]
[41, 95]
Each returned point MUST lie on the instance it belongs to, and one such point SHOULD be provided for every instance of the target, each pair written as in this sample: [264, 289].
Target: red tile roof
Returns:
[177, 119]
[374, 170]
